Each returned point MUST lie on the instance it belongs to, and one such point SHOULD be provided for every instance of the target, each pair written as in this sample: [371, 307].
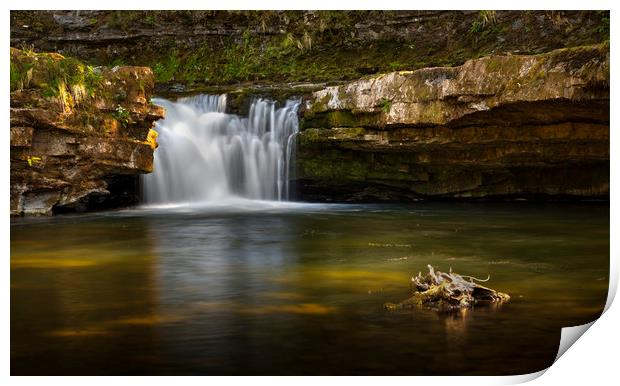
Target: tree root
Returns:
[448, 291]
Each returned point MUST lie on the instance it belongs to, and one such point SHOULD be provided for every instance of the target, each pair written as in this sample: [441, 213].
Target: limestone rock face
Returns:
[75, 131]
[190, 51]
[501, 126]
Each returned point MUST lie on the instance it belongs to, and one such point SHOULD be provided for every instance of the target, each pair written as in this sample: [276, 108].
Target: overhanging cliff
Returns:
[500, 126]
[76, 131]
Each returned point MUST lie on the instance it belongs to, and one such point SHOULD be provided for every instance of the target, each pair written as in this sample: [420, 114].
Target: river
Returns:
[259, 287]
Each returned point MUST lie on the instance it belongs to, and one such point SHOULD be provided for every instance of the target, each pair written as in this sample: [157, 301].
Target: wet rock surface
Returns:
[76, 130]
[496, 127]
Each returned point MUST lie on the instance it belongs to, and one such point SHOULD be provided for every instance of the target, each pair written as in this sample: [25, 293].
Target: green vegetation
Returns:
[122, 116]
[395, 66]
[67, 79]
[320, 46]
[21, 73]
[386, 105]
[341, 118]
[329, 165]
[476, 27]
[603, 27]
[150, 19]
[165, 70]
[319, 52]
[487, 17]
[250, 58]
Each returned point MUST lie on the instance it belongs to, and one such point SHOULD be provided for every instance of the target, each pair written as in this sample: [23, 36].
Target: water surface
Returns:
[281, 288]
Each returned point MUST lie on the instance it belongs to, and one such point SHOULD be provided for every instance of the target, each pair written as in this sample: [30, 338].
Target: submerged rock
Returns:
[75, 131]
[448, 291]
[500, 126]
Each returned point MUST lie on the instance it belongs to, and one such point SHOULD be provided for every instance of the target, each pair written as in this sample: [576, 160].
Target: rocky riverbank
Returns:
[397, 106]
[496, 127]
[79, 135]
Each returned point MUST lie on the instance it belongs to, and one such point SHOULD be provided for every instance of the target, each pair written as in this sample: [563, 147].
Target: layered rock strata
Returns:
[193, 50]
[495, 127]
[78, 133]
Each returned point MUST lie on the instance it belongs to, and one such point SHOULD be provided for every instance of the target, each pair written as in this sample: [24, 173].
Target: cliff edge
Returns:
[77, 133]
[500, 126]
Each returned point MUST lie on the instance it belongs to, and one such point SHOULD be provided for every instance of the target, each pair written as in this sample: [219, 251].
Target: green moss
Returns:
[52, 73]
[166, 69]
[66, 81]
[385, 105]
[253, 57]
[258, 58]
[396, 66]
[20, 75]
[504, 64]
[341, 118]
[318, 48]
[341, 166]
[150, 19]
[603, 26]
[433, 112]
[309, 137]
[321, 104]
[578, 55]
[331, 165]
[353, 133]
[342, 94]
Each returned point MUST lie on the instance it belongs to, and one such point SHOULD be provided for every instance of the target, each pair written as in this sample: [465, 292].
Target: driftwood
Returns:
[448, 291]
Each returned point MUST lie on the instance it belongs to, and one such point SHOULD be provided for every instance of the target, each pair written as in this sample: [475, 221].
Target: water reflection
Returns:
[299, 291]
[80, 296]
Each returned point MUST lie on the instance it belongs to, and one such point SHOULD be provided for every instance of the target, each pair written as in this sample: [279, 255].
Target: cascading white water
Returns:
[205, 154]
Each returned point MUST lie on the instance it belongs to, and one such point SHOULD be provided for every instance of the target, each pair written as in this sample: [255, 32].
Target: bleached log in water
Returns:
[448, 291]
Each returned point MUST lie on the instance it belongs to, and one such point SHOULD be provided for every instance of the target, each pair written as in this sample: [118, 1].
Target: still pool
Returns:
[283, 288]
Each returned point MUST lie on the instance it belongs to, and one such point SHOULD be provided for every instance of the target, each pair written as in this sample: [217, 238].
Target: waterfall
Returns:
[205, 154]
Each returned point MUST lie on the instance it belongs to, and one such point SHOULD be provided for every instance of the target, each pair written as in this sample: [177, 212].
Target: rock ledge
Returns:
[77, 131]
[495, 127]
